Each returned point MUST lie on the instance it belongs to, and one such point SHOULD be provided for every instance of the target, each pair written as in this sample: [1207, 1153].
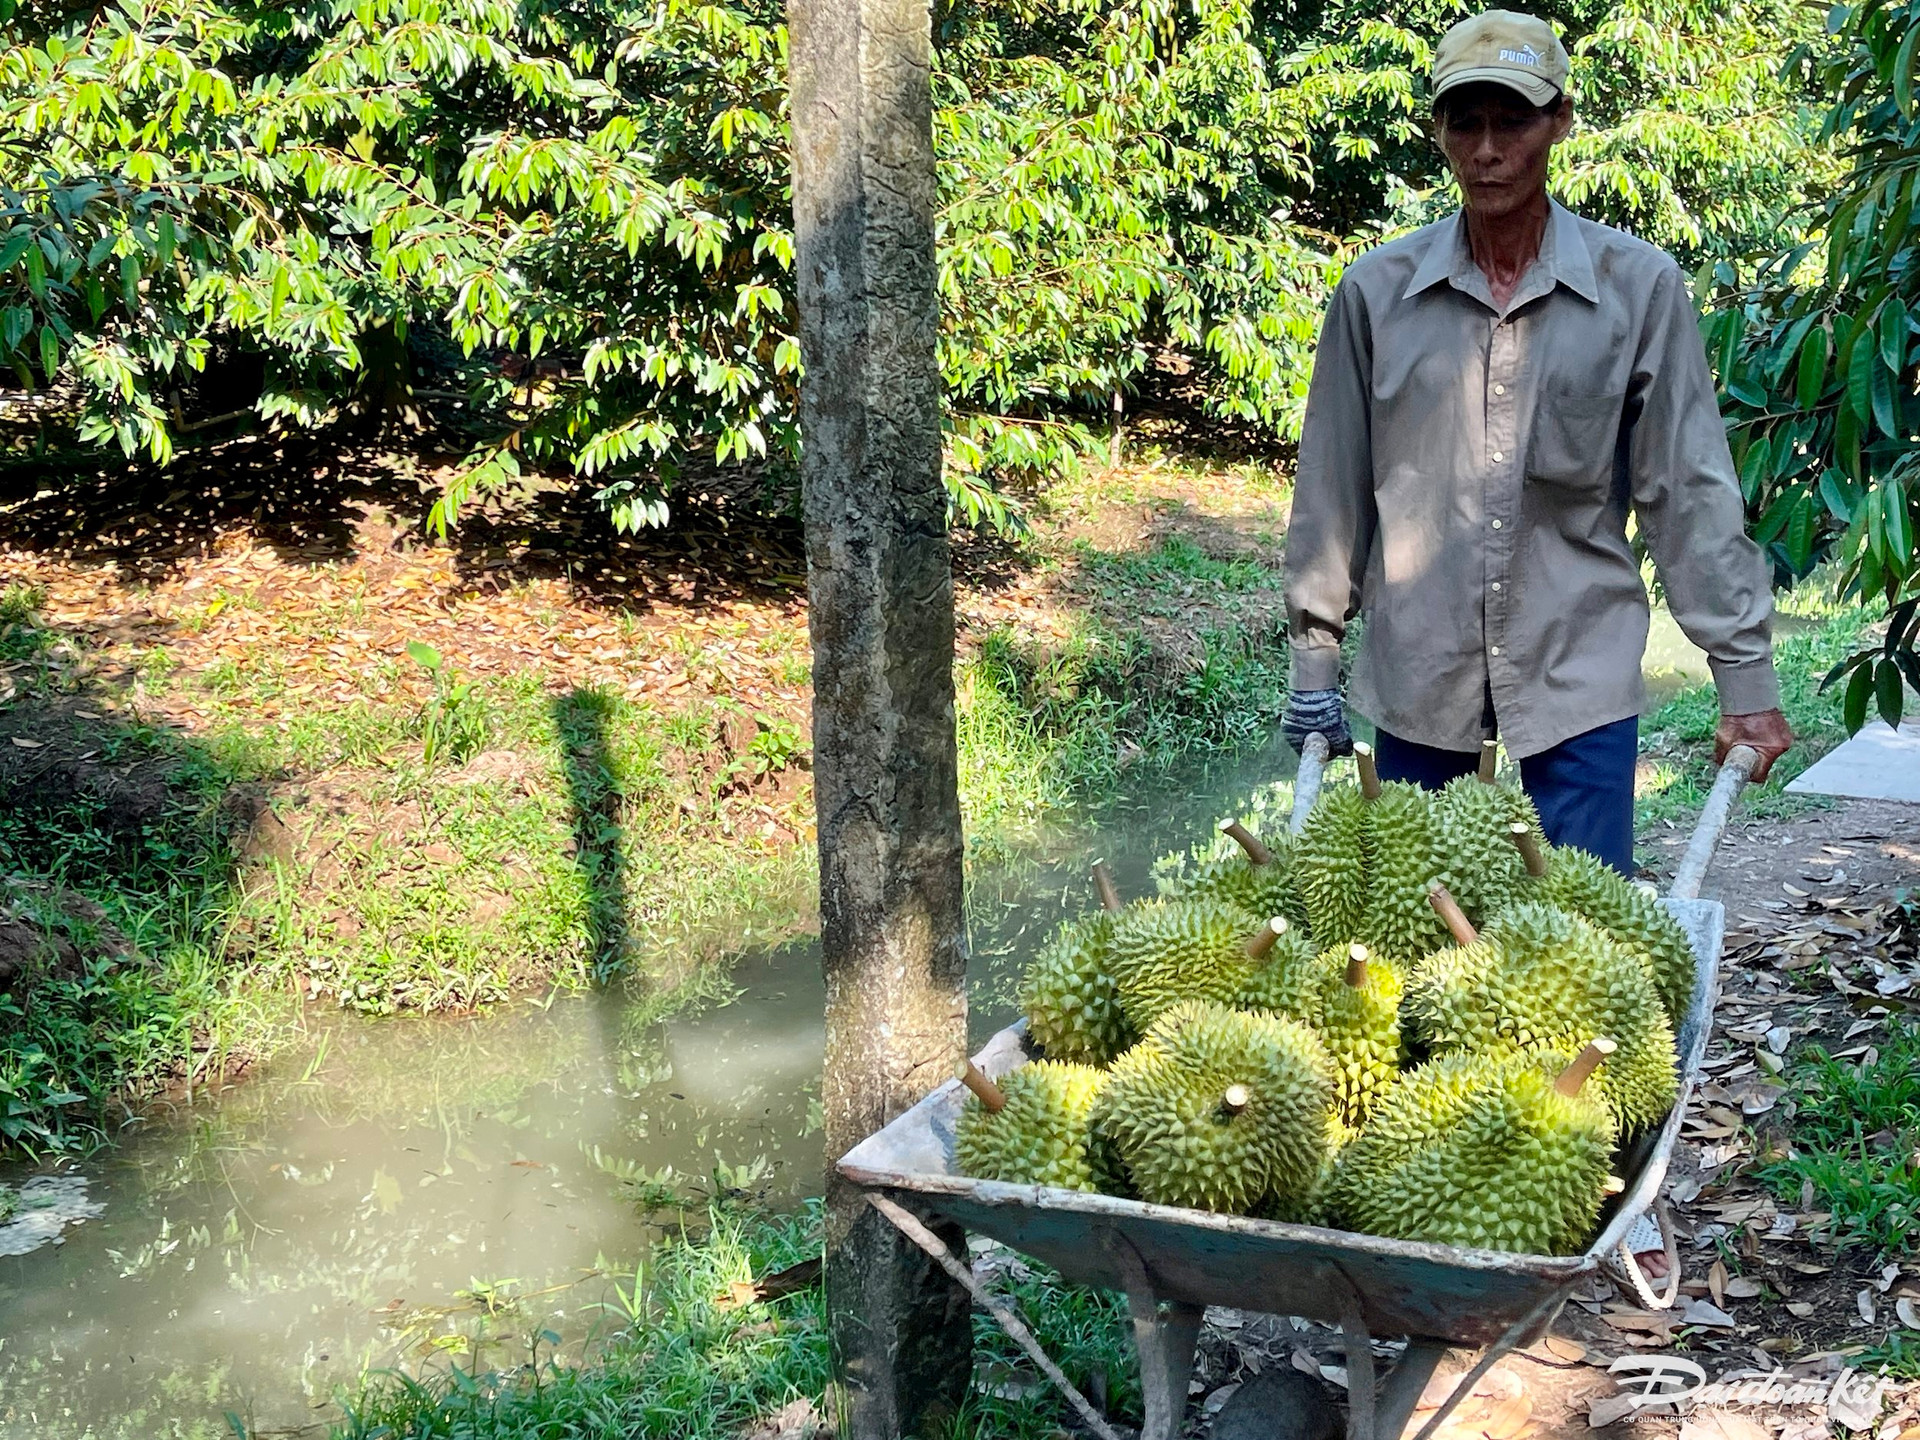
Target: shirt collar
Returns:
[1564, 259]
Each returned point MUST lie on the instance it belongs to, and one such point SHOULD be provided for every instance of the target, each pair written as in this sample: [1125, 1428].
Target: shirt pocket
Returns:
[1575, 433]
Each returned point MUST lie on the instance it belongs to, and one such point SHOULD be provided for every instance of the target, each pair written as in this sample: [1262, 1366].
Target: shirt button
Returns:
[1493, 650]
[1496, 584]
[1499, 389]
[1496, 524]
[1498, 457]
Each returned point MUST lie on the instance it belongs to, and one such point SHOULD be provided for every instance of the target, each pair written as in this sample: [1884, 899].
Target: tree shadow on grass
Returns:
[583, 717]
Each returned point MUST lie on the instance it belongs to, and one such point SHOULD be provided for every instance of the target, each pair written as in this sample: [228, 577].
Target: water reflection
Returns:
[408, 1186]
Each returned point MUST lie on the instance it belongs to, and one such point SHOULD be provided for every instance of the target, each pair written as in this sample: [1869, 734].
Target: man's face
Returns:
[1497, 144]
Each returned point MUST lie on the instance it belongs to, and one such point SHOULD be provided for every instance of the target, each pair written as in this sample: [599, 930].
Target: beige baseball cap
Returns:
[1504, 48]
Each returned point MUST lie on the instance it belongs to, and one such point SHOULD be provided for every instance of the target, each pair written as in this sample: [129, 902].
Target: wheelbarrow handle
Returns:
[1735, 772]
[1314, 752]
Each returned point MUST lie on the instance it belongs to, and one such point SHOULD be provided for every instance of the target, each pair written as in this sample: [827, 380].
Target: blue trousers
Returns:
[1583, 787]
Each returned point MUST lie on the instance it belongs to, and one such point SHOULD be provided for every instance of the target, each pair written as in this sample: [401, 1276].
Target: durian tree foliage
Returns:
[576, 212]
[1818, 362]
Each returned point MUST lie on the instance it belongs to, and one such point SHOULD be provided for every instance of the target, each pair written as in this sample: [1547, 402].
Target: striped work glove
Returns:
[1311, 710]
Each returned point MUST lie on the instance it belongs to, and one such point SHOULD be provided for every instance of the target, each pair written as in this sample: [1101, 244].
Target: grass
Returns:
[1855, 1129]
[681, 1363]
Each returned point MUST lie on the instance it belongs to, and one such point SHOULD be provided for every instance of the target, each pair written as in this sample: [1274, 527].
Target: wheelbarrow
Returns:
[1172, 1263]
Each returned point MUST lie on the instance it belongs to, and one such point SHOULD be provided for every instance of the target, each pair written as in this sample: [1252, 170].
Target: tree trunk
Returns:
[880, 592]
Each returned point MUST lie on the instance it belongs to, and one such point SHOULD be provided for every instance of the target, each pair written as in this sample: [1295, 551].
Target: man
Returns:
[1492, 393]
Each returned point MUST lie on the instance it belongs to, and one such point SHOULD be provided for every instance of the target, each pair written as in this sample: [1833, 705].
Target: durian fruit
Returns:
[1072, 1005]
[1257, 875]
[1035, 1127]
[1495, 1151]
[1220, 1109]
[1330, 862]
[1287, 979]
[1539, 978]
[1575, 880]
[1167, 951]
[1472, 817]
[1356, 1012]
[1403, 860]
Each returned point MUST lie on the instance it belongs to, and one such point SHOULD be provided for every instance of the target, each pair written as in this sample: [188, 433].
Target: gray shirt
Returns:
[1465, 477]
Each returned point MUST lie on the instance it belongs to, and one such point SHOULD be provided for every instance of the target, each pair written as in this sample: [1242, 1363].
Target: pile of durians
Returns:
[1415, 1018]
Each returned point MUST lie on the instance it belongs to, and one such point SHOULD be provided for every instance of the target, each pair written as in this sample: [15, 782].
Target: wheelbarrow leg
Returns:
[1402, 1390]
[1166, 1336]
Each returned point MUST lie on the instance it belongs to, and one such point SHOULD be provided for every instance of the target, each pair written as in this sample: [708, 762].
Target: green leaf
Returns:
[1812, 378]
[1887, 691]
[423, 654]
[1892, 327]
[49, 351]
[1853, 709]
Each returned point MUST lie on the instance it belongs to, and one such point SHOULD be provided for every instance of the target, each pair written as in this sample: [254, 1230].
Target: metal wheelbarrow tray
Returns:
[1172, 1262]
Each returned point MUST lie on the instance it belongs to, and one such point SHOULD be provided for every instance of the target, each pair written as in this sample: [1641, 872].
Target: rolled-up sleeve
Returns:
[1331, 529]
[1687, 498]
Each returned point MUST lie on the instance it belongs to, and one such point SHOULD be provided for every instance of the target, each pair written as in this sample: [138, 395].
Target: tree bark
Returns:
[880, 591]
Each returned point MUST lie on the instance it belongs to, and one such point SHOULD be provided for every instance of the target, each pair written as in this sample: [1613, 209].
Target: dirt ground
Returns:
[1816, 950]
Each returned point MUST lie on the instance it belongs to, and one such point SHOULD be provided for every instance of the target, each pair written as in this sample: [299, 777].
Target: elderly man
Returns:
[1492, 394]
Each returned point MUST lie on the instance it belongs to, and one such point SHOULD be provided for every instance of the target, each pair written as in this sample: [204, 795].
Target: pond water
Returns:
[406, 1186]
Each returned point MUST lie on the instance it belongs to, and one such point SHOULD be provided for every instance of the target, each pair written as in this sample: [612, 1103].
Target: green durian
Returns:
[1330, 862]
[1577, 881]
[1286, 979]
[1260, 886]
[1072, 1004]
[1220, 1109]
[1483, 1150]
[1472, 824]
[1356, 1013]
[1540, 978]
[1166, 951]
[1044, 1133]
[1402, 861]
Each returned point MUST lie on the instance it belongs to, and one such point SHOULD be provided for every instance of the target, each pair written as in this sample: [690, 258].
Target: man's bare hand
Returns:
[1765, 730]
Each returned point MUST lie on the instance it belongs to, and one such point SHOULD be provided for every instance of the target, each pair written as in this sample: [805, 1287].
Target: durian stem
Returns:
[1489, 760]
[1529, 846]
[1109, 893]
[1583, 1066]
[1257, 852]
[1357, 958]
[1369, 771]
[1451, 915]
[1265, 938]
[1236, 1099]
[975, 1079]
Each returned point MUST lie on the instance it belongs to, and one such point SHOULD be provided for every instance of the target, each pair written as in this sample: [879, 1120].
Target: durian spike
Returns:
[1615, 1185]
[1265, 938]
[1257, 852]
[1236, 1099]
[1451, 915]
[1369, 771]
[1583, 1066]
[975, 1079]
[1109, 893]
[1357, 958]
[1529, 846]
[1489, 760]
